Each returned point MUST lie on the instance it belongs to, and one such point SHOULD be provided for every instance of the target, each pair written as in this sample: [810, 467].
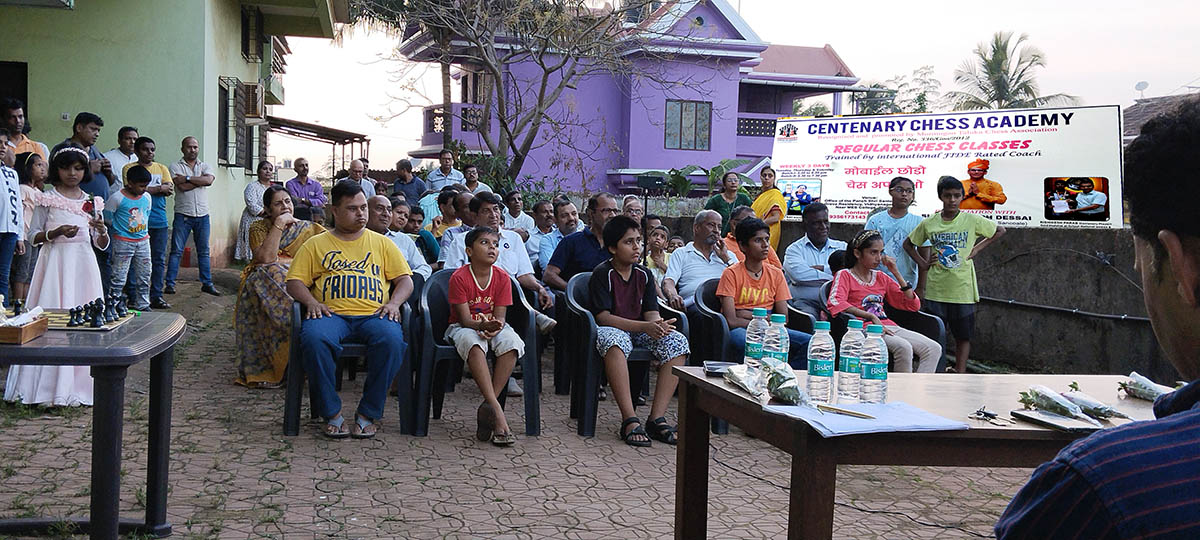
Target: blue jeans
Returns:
[8, 247]
[321, 343]
[797, 351]
[131, 260]
[158, 260]
[179, 235]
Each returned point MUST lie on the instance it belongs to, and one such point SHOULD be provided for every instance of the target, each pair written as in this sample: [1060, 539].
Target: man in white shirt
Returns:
[702, 259]
[192, 178]
[122, 155]
[543, 224]
[566, 220]
[379, 217]
[515, 219]
[1089, 204]
[806, 261]
[358, 173]
[446, 174]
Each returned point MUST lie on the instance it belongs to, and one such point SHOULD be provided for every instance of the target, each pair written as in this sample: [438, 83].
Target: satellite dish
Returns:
[1141, 85]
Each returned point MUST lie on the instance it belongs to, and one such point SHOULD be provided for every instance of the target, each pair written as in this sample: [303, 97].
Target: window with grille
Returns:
[688, 125]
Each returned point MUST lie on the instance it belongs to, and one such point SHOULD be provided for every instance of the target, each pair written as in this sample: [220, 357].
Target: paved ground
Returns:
[233, 475]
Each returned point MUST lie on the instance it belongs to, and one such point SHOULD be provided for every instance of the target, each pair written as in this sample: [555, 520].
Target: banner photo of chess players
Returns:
[799, 194]
[1077, 198]
[1002, 157]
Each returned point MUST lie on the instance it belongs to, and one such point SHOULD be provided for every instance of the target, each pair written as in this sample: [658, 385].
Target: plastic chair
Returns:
[439, 357]
[590, 363]
[352, 352]
[926, 324]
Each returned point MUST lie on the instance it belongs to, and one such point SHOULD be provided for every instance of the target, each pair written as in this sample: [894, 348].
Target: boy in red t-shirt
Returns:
[479, 295]
[752, 283]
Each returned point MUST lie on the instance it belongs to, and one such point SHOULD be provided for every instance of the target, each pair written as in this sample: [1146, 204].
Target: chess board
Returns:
[59, 317]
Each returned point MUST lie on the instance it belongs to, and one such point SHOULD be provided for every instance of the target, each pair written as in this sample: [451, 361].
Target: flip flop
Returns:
[504, 439]
[335, 428]
[360, 428]
[484, 422]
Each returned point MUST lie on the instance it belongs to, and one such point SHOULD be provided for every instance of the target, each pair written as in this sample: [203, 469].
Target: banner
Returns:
[1051, 168]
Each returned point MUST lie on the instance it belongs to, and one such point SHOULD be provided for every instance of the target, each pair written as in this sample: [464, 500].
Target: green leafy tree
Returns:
[1001, 76]
[879, 100]
[816, 109]
[718, 172]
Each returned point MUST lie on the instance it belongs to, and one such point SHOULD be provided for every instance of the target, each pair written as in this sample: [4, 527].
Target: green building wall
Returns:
[152, 64]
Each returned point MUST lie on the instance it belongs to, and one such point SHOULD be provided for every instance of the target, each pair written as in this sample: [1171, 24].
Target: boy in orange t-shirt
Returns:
[753, 284]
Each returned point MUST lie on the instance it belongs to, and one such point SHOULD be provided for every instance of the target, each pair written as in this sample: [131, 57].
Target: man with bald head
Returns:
[979, 193]
[702, 259]
[192, 178]
[358, 173]
[379, 219]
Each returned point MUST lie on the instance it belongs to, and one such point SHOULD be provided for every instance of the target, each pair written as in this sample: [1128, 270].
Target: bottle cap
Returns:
[760, 312]
[856, 324]
[875, 329]
[778, 317]
[821, 325]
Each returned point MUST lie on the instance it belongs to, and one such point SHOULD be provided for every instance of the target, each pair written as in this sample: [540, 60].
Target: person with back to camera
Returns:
[861, 291]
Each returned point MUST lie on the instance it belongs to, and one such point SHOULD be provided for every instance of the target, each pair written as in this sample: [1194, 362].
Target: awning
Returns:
[314, 132]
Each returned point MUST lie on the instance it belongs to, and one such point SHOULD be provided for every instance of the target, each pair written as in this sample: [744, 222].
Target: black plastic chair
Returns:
[589, 367]
[926, 324]
[439, 357]
[352, 352]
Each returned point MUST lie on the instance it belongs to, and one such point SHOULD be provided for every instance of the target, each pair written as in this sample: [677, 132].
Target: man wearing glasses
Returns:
[979, 193]
[895, 225]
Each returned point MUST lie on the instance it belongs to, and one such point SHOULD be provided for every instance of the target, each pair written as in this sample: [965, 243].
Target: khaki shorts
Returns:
[465, 338]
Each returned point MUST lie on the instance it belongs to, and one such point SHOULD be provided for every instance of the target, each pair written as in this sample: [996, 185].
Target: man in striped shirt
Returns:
[1140, 480]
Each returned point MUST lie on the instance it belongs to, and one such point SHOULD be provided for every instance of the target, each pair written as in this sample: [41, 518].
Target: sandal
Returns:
[661, 431]
[637, 431]
[335, 428]
[504, 439]
[363, 428]
[484, 421]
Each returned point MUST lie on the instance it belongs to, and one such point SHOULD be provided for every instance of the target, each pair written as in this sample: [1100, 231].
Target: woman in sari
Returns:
[770, 204]
[262, 317]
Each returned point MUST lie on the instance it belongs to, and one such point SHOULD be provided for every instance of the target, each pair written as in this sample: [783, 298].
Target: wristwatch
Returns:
[906, 287]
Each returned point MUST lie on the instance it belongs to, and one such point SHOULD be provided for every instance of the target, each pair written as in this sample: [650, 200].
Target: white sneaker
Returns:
[513, 389]
[545, 324]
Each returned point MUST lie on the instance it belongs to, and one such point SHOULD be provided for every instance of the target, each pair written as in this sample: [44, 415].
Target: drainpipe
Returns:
[837, 103]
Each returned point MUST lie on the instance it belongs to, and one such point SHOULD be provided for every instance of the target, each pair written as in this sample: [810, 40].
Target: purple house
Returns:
[731, 88]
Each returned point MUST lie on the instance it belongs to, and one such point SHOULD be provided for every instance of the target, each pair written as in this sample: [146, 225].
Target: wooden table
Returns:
[815, 459]
[109, 354]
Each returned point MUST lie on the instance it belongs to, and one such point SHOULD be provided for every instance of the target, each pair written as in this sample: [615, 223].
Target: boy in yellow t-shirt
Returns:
[343, 277]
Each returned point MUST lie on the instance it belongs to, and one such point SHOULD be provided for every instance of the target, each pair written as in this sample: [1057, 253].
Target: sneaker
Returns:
[513, 389]
[159, 303]
[545, 324]
[210, 290]
[169, 289]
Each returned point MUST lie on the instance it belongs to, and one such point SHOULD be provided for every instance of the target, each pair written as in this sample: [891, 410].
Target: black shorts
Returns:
[959, 318]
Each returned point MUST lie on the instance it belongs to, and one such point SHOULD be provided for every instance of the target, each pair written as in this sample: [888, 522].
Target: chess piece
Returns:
[110, 311]
[122, 307]
[18, 307]
[97, 313]
[76, 317]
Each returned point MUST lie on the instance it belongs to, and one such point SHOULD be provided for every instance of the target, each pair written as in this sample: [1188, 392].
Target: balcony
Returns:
[755, 134]
[466, 121]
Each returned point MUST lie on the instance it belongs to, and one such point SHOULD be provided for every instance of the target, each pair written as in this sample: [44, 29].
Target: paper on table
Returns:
[894, 416]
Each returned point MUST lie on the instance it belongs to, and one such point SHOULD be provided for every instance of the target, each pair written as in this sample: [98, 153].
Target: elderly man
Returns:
[515, 219]
[343, 277]
[192, 178]
[631, 207]
[1140, 480]
[122, 155]
[12, 116]
[308, 197]
[543, 224]
[979, 193]
[445, 174]
[566, 219]
[583, 250]
[379, 219]
[702, 259]
[358, 173]
[407, 183]
[736, 216]
[806, 261]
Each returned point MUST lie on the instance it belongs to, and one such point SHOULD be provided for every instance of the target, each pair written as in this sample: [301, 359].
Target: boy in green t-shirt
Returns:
[951, 290]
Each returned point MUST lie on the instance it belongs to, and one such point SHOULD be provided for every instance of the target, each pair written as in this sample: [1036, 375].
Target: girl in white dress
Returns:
[66, 226]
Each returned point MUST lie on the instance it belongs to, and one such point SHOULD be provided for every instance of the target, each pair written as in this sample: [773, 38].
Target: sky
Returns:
[1095, 50]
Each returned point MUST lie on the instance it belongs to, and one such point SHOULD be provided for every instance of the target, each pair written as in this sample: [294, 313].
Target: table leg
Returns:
[814, 477]
[162, 368]
[107, 426]
[691, 472]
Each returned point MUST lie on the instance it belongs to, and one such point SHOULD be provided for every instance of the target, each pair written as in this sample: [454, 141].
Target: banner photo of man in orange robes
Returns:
[979, 193]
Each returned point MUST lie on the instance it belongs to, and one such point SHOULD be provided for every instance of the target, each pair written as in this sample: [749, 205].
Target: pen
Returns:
[847, 412]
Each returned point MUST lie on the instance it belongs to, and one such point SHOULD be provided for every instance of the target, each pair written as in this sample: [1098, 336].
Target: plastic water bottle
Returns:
[874, 362]
[756, 334]
[820, 364]
[848, 368]
[777, 344]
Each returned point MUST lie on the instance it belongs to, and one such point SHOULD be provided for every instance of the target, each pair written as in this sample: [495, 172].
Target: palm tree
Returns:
[1001, 77]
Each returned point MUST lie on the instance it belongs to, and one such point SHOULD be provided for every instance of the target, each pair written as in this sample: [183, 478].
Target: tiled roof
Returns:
[1146, 108]
[799, 60]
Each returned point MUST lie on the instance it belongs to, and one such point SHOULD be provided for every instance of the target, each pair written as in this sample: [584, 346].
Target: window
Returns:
[233, 139]
[688, 125]
[252, 35]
